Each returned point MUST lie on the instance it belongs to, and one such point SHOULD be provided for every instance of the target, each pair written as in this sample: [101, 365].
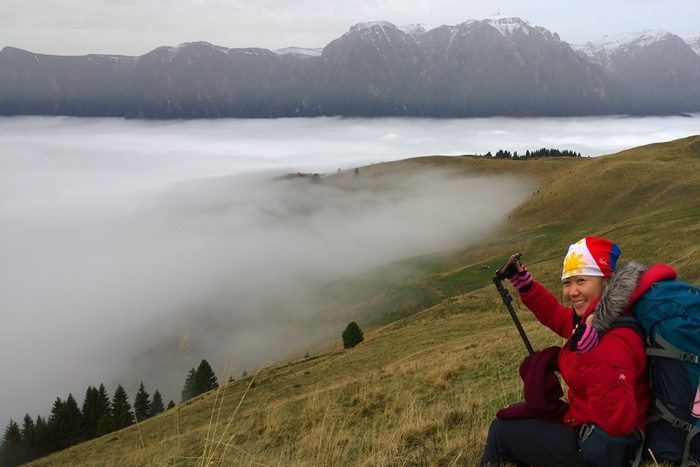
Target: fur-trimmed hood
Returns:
[624, 288]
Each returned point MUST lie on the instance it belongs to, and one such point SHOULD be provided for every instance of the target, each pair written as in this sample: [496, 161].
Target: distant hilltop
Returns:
[491, 67]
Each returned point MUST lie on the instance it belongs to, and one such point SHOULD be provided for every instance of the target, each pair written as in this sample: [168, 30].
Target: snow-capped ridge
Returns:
[507, 26]
[171, 52]
[372, 25]
[621, 42]
[693, 42]
[375, 32]
[300, 51]
[200, 44]
[414, 29]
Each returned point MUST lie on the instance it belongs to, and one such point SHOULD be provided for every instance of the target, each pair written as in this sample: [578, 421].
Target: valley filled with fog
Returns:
[130, 250]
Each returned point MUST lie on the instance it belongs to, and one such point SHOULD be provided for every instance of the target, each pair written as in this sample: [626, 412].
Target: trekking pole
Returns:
[507, 299]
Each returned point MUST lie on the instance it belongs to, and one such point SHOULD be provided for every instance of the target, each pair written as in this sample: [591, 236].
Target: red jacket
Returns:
[608, 385]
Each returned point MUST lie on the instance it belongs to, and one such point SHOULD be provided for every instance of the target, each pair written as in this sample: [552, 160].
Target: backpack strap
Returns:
[667, 350]
[692, 429]
[628, 322]
[636, 462]
[686, 452]
[670, 351]
[665, 414]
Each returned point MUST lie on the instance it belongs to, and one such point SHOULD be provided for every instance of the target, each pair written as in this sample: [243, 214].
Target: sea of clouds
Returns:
[132, 249]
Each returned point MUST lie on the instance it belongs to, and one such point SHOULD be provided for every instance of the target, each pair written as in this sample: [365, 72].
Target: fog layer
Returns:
[130, 250]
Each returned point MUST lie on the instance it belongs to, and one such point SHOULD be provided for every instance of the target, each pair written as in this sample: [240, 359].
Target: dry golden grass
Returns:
[426, 401]
[422, 390]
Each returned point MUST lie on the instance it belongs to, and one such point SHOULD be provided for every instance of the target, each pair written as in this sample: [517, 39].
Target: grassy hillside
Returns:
[440, 354]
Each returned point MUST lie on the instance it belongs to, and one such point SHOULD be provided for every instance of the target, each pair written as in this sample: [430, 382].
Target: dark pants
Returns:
[530, 441]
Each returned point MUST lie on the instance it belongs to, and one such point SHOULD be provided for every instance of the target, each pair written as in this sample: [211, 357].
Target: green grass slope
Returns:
[442, 354]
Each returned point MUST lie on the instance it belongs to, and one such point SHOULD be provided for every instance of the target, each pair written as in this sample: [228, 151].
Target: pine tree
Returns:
[44, 438]
[142, 404]
[55, 426]
[122, 416]
[105, 425]
[11, 448]
[72, 423]
[189, 389]
[104, 398]
[29, 438]
[205, 379]
[104, 421]
[171, 404]
[352, 335]
[157, 404]
[92, 412]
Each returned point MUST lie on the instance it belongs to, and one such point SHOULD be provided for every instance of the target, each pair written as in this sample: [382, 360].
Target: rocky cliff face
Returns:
[92, 85]
[694, 43]
[203, 80]
[657, 71]
[507, 67]
[477, 68]
[373, 69]
[662, 76]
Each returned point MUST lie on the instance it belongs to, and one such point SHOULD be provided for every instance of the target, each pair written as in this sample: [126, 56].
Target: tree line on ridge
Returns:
[68, 424]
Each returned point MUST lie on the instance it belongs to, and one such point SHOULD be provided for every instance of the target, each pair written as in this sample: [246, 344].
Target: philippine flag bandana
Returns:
[591, 256]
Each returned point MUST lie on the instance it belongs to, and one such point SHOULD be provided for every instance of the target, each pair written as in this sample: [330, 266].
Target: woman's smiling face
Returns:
[581, 291]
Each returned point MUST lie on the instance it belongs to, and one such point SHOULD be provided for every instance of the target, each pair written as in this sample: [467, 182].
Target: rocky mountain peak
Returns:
[603, 51]
[622, 42]
[375, 35]
[415, 29]
[507, 26]
[198, 47]
[510, 28]
[8, 50]
[693, 42]
[372, 26]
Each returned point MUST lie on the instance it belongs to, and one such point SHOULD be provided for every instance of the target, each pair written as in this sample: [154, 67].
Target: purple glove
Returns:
[584, 339]
[521, 280]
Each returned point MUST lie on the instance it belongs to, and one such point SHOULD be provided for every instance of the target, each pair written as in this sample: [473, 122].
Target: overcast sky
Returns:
[134, 27]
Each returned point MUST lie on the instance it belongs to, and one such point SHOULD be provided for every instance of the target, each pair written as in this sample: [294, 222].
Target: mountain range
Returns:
[490, 67]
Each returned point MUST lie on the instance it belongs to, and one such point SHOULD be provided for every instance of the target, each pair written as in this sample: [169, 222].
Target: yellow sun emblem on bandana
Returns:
[573, 264]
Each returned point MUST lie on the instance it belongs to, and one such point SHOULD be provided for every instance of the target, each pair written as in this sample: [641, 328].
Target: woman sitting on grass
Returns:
[603, 367]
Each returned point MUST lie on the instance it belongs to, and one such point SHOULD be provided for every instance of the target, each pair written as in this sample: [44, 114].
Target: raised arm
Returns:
[548, 310]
